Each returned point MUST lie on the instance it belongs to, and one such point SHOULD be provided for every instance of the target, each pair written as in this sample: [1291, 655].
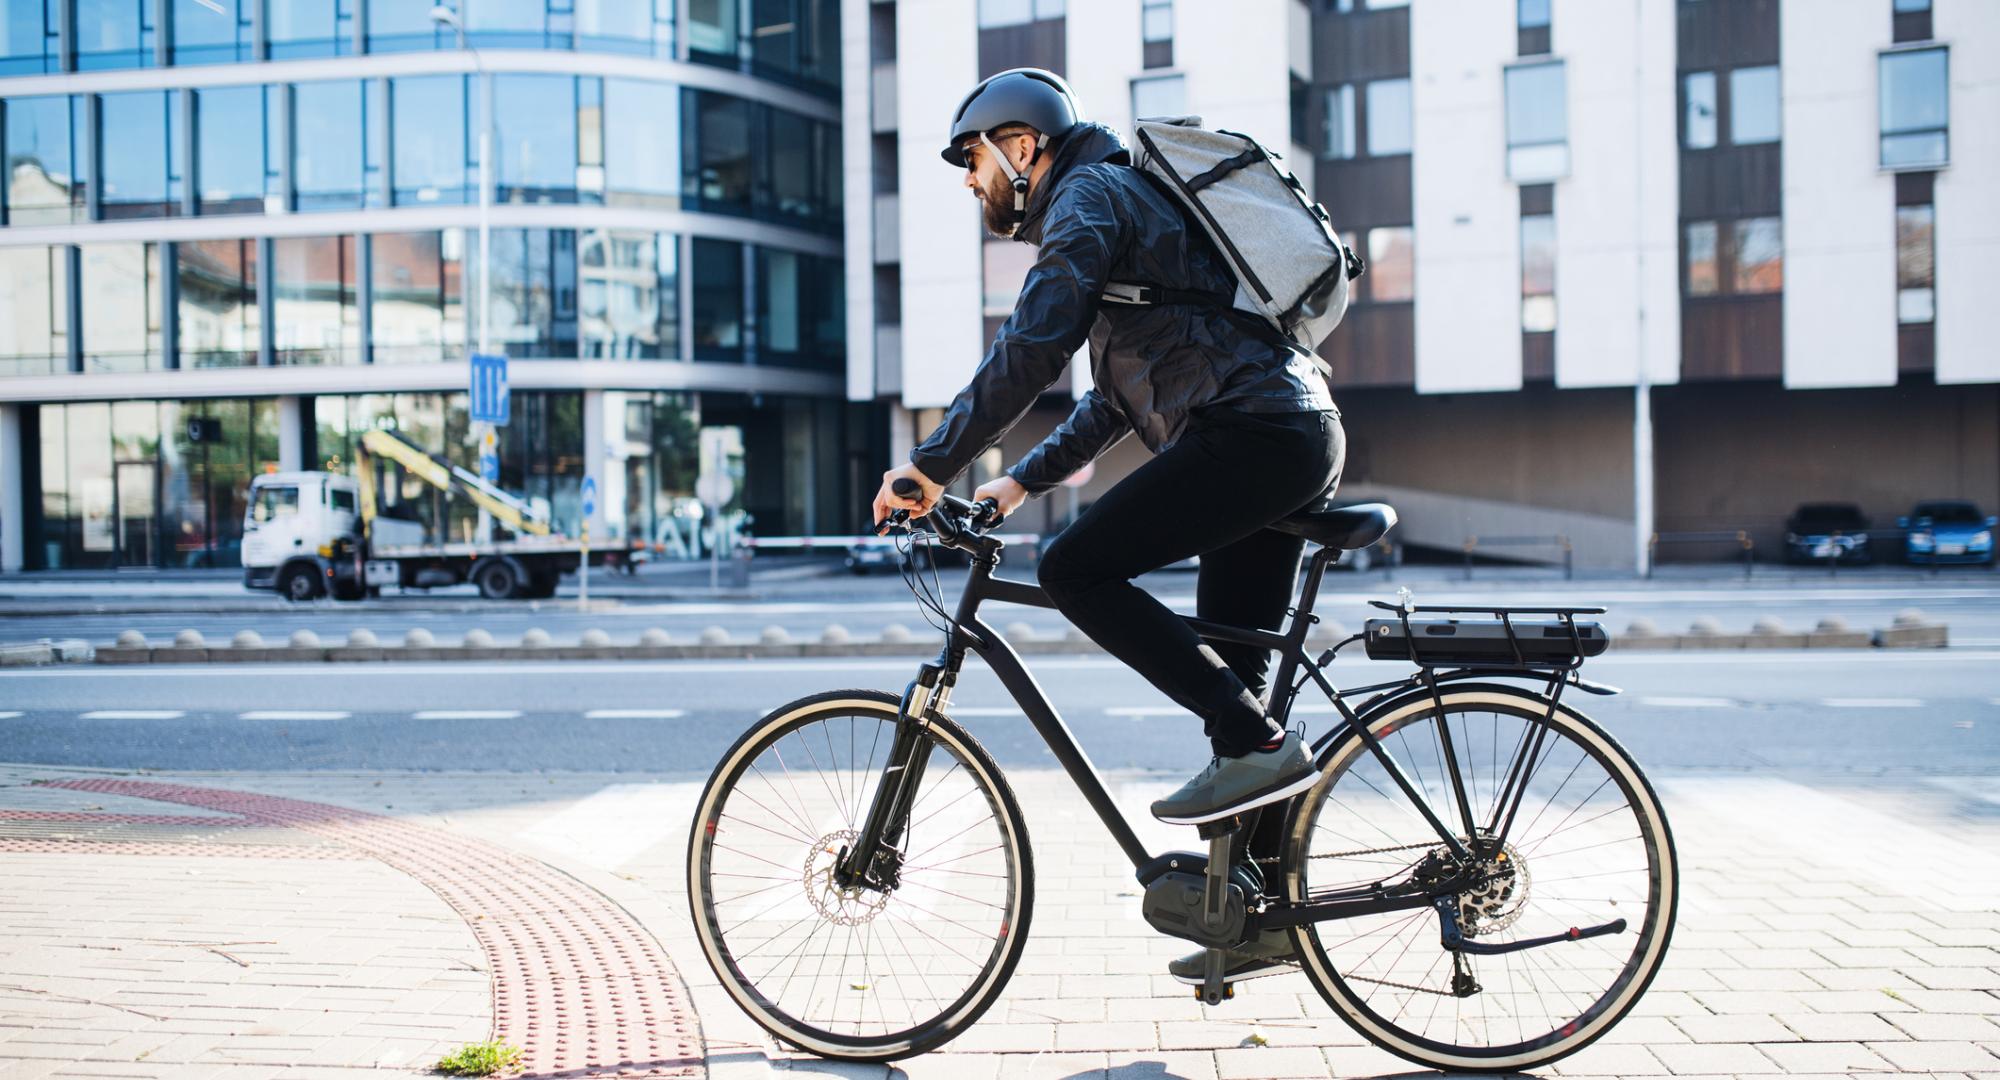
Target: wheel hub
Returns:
[1499, 900]
[834, 903]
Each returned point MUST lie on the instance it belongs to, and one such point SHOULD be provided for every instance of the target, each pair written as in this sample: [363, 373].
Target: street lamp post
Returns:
[444, 16]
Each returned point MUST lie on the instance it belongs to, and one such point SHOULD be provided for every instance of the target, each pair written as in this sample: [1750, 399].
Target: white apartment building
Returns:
[1636, 266]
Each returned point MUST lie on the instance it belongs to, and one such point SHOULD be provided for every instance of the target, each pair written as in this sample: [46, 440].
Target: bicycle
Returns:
[1481, 879]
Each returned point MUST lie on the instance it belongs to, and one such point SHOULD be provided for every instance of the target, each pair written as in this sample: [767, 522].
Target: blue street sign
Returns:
[489, 468]
[590, 496]
[489, 389]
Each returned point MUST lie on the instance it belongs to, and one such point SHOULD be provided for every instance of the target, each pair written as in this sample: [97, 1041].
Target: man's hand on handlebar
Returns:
[918, 502]
[1006, 493]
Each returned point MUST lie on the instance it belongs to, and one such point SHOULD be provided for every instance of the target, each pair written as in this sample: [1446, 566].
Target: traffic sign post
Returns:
[583, 569]
[489, 398]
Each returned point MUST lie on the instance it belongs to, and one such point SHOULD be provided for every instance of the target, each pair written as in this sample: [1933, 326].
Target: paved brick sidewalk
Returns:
[1824, 930]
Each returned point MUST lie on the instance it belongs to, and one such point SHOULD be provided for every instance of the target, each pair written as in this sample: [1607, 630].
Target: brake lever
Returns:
[986, 514]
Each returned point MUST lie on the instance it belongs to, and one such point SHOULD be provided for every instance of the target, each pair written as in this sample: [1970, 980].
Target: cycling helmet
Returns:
[1031, 96]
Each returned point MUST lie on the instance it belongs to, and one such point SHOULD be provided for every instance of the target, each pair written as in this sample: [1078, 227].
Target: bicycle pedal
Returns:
[1228, 994]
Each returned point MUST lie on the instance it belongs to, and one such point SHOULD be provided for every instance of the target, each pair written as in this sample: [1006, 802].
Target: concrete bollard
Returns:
[418, 638]
[1706, 633]
[1019, 632]
[1769, 632]
[594, 638]
[189, 639]
[654, 637]
[1910, 617]
[1912, 631]
[535, 638]
[1644, 633]
[362, 638]
[304, 639]
[774, 635]
[1705, 626]
[835, 634]
[1642, 627]
[246, 639]
[477, 638]
[1834, 633]
[714, 635]
[131, 639]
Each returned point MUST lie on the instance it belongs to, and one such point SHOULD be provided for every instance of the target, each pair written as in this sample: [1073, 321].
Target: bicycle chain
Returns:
[1273, 860]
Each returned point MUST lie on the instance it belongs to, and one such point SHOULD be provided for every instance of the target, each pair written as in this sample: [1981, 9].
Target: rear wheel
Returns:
[1588, 845]
[497, 580]
[859, 974]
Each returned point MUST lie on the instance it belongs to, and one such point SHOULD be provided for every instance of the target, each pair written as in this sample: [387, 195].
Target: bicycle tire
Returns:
[1534, 1048]
[921, 1034]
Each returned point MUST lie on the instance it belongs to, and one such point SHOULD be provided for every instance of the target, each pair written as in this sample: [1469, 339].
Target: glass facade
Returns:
[217, 316]
[328, 144]
[1915, 108]
[230, 150]
[534, 291]
[313, 302]
[417, 297]
[34, 310]
[114, 34]
[212, 31]
[142, 168]
[629, 305]
[430, 159]
[718, 300]
[121, 307]
[47, 166]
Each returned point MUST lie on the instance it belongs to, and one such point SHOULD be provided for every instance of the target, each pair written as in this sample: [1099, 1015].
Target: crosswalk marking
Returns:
[1688, 702]
[1872, 703]
[133, 714]
[467, 714]
[635, 714]
[293, 714]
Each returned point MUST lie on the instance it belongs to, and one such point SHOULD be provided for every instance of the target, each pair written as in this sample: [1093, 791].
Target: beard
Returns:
[996, 207]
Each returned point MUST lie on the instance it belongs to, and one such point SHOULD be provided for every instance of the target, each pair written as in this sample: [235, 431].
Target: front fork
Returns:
[875, 860]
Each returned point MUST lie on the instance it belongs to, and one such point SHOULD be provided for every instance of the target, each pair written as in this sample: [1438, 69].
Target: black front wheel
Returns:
[858, 973]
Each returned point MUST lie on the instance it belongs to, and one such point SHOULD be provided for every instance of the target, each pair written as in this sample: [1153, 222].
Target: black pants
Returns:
[1212, 494]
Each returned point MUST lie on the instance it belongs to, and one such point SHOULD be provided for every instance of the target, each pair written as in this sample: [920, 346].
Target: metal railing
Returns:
[1740, 537]
[1557, 541]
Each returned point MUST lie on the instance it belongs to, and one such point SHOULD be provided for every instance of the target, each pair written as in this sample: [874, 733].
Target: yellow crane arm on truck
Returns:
[514, 513]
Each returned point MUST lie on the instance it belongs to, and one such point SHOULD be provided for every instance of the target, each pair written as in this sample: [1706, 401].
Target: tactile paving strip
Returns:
[578, 984]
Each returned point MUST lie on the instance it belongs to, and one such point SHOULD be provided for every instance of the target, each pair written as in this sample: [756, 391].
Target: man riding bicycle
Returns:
[1241, 423]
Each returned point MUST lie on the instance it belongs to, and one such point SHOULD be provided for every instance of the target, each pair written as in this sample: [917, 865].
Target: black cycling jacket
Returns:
[1096, 220]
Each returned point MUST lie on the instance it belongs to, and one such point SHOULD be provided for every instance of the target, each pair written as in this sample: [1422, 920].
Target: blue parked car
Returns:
[1947, 532]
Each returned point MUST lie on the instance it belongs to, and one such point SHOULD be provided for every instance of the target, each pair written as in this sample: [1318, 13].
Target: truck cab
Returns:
[293, 523]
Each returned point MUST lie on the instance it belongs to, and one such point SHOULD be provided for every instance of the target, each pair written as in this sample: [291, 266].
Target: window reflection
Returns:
[141, 167]
[44, 183]
[718, 300]
[800, 315]
[113, 34]
[327, 145]
[1537, 123]
[1391, 264]
[712, 31]
[1915, 109]
[229, 149]
[644, 27]
[796, 40]
[1337, 139]
[1704, 277]
[217, 314]
[301, 28]
[1753, 105]
[1916, 263]
[211, 31]
[1698, 124]
[121, 307]
[1388, 117]
[428, 117]
[29, 39]
[1759, 257]
[629, 304]
[418, 313]
[719, 151]
[534, 292]
[535, 138]
[34, 310]
[406, 26]
[1538, 272]
[642, 146]
[313, 300]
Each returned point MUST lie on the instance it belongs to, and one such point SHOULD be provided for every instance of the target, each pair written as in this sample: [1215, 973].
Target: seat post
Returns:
[1315, 570]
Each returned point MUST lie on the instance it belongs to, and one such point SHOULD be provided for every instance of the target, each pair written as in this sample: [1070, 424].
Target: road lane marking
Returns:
[133, 714]
[293, 714]
[1138, 711]
[1872, 703]
[8, 714]
[985, 710]
[635, 714]
[1689, 702]
[467, 714]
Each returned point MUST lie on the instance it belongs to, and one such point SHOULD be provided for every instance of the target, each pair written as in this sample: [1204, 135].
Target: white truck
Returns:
[314, 534]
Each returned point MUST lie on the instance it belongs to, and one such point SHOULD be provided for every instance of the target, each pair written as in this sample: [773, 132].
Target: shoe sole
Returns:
[1248, 802]
[1263, 970]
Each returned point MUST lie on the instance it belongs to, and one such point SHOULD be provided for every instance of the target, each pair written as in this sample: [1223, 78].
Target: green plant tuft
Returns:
[480, 1059]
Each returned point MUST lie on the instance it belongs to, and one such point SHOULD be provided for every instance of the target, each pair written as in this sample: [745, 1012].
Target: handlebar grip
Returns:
[906, 488]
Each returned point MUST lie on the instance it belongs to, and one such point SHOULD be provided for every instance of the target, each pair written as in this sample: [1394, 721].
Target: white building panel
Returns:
[1968, 196]
[1466, 213]
[1104, 54]
[937, 57]
[856, 181]
[1617, 283]
[1840, 218]
[1235, 58]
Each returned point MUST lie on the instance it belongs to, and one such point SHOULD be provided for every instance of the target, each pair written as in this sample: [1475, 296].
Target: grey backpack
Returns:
[1291, 268]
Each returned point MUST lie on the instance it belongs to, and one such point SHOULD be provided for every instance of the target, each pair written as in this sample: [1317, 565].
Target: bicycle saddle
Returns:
[1344, 528]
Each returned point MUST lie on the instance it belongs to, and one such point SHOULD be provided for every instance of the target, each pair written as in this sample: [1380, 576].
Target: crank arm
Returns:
[1456, 941]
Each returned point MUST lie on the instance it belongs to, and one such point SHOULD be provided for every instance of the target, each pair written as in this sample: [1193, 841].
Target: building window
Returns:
[1163, 95]
[313, 314]
[800, 311]
[211, 31]
[534, 292]
[630, 295]
[1753, 105]
[1704, 275]
[1531, 21]
[717, 151]
[34, 292]
[1915, 109]
[1337, 137]
[417, 297]
[1346, 7]
[1391, 272]
[29, 39]
[1916, 264]
[1698, 110]
[1538, 272]
[1388, 103]
[121, 307]
[327, 145]
[229, 149]
[217, 317]
[644, 27]
[428, 116]
[302, 28]
[642, 143]
[535, 138]
[113, 34]
[1156, 32]
[1537, 123]
[140, 146]
[994, 13]
[1757, 257]
[718, 300]
[45, 172]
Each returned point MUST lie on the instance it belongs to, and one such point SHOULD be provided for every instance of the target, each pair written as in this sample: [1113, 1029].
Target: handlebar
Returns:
[958, 523]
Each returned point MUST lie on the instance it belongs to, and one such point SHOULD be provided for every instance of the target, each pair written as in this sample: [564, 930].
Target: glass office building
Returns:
[264, 214]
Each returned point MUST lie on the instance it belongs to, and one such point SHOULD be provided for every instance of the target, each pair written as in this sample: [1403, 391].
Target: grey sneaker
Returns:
[1233, 785]
[1269, 954]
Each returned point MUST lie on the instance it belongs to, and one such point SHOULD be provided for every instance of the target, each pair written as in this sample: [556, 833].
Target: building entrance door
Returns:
[137, 512]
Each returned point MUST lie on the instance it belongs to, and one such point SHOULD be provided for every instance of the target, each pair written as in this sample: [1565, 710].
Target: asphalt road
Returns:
[1794, 713]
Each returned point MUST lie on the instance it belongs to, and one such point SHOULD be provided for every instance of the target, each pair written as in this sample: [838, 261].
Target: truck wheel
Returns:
[298, 584]
[497, 580]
